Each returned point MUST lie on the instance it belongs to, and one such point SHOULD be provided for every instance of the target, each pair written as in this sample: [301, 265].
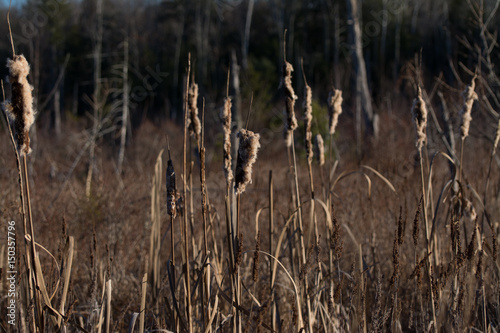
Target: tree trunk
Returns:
[236, 112]
[178, 44]
[246, 37]
[96, 96]
[362, 90]
[125, 108]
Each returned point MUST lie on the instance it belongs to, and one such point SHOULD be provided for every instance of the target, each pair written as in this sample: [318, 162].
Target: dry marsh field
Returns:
[302, 218]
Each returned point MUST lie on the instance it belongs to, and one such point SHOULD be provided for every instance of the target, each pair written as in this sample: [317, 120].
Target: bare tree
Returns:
[363, 96]
[96, 96]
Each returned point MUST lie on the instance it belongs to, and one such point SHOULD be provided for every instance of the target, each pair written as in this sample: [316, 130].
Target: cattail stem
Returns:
[186, 234]
[427, 238]
[301, 237]
[271, 249]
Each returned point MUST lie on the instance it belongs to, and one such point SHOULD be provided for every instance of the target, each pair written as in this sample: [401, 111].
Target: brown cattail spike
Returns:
[194, 124]
[419, 111]
[469, 96]
[20, 108]
[247, 155]
[334, 109]
[290, 97]
[308, 122]
[319, 147]
[226, 127]
[170, 189]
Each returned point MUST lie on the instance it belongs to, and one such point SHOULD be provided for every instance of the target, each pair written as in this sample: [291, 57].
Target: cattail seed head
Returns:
[469, 96]
[226, 128]
[20, 108]
[194, 124]
[308, 122]
[419, 111]
[290, 97]
[334, 108]
[247, 155]
[170, 189]
[319, 147]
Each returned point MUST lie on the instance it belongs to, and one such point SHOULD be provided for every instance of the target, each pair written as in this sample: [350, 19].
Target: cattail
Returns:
[334, 108]
[469, 96]
[419, 111]
[319, 147]
[307, 122]
[20, 108]
[226, 128]
[247, 155]
[193, 122]
[170, 189]
[290, 97]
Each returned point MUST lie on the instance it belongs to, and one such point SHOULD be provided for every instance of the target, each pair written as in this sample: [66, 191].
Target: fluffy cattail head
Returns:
[226, 128]
[307, 122]
[319, 148]
[469, 96]
[194, 125]
[334, 108]
[247, 155]
[20, 108]
[170, 189]
[419, 111]
[290, 123]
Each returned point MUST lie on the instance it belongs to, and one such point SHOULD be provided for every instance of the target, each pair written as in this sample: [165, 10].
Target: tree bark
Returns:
[362, 89]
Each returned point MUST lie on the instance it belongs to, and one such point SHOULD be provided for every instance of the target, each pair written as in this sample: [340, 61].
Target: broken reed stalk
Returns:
[469, 96]
[419, 112]
[185, 226]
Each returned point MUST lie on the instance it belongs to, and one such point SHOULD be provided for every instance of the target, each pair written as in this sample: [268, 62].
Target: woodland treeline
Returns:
[78, 49]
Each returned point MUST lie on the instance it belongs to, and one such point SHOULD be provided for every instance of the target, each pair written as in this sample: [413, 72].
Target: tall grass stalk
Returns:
[187, 276]
[419, 111]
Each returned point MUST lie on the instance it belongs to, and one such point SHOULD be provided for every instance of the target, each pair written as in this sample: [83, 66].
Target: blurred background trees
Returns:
[59, 38]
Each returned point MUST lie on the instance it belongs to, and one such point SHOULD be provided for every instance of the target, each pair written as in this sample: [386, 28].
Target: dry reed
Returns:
[469, 96]
[334, 109]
